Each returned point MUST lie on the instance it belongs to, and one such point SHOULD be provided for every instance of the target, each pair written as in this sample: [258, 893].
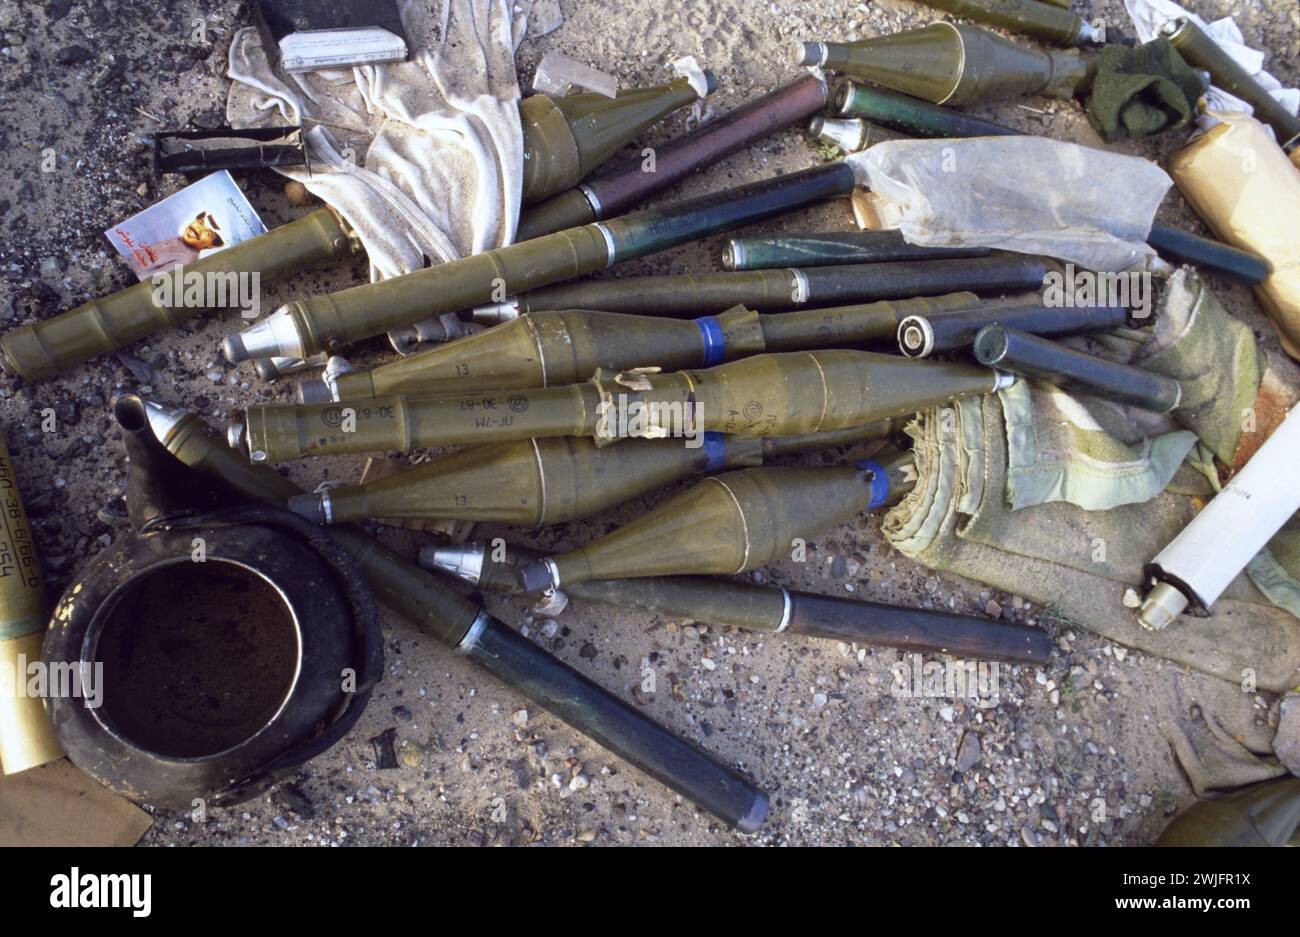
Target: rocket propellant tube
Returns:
[925, 334]
[1032, 356]
[840, 247]
[776, 290]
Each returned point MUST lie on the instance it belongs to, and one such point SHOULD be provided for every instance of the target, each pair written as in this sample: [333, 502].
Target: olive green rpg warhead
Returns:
[728, 523]
[1266, 814]
[762, 608]
[778, 289]
[538, 482]
[1040, 20]
[1200, 51]
[43, 349]
[951, 64]
[545, 349]
[460, 623]
[566, 138]
[622, 186]
[326, 323]
[766, 395]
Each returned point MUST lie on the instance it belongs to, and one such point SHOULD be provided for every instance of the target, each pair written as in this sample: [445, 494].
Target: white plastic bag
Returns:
[1027, 194]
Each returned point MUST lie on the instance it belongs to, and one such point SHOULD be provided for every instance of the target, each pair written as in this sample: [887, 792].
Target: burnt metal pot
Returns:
[218, 648]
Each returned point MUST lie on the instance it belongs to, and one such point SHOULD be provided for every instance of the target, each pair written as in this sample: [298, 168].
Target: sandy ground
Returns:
[1070, 754]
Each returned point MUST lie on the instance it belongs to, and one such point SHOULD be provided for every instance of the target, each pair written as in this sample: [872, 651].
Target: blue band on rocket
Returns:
[879, 482]
[715, 449]
[715, 343]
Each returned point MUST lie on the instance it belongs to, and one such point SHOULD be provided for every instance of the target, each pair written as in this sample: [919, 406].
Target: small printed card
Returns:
[200, 219]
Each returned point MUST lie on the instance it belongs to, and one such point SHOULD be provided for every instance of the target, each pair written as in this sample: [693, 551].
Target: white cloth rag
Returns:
[423, 158]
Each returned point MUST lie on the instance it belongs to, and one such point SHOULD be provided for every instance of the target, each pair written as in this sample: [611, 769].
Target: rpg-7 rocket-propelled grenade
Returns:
[624, 185]
[763, 608]
[767, 395]
[537, 482]
[546, 349]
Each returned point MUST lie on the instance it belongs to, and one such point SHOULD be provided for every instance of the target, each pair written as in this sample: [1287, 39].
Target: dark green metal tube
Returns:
[922, 335]
[1233, 263]
[464, 625]
[907, 114]
[915, 629]
[614, 191]
[1200, 51]
[328, 322]
[1039, 20]
[767, 609]
[43, 349]
[655, 229]
[619, 727]
[779, 290]
[1031, 356]
[820, 250]
[946, 63]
